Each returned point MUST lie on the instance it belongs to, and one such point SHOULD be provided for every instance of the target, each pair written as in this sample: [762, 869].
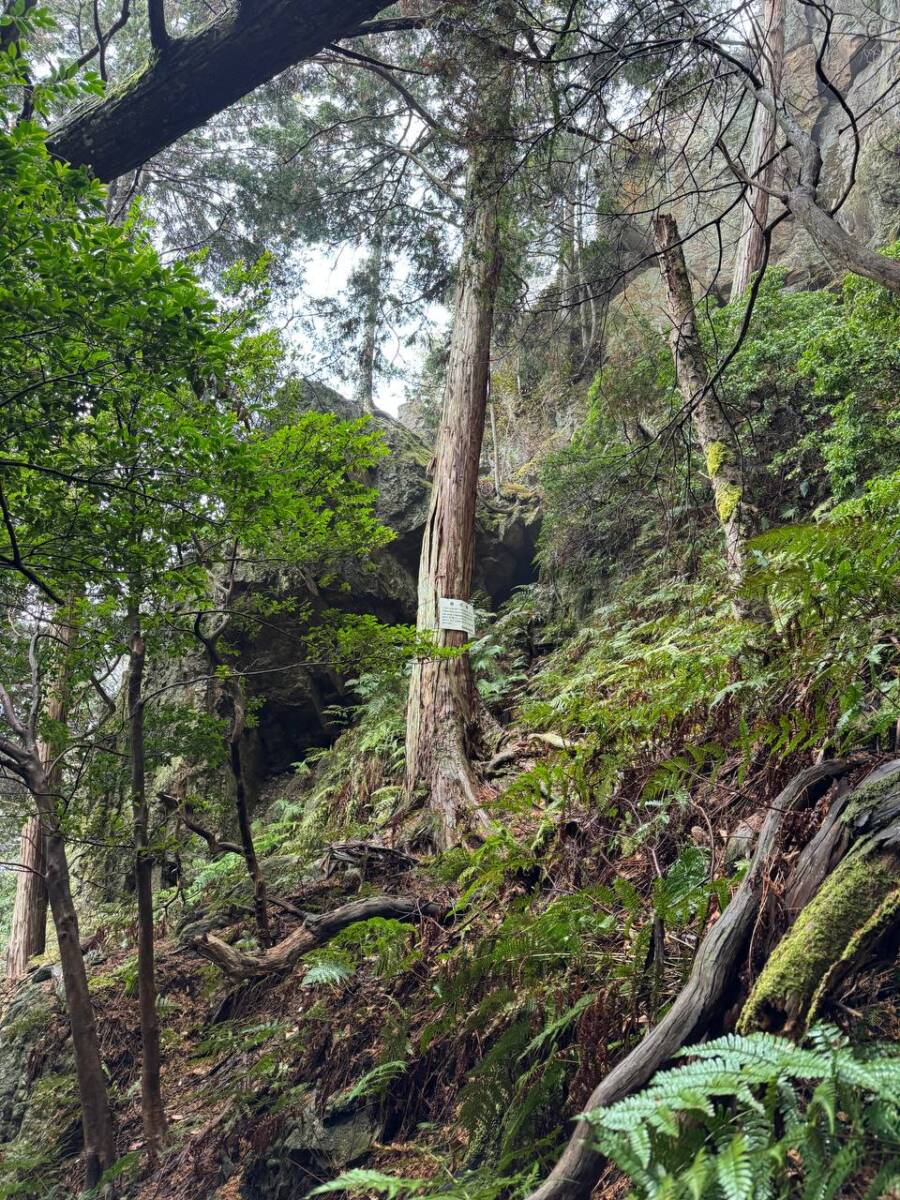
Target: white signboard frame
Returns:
[456, 614]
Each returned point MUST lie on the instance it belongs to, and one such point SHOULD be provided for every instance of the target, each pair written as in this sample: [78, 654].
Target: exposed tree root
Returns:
[855, 907]
[315, 931]
[698, 1003]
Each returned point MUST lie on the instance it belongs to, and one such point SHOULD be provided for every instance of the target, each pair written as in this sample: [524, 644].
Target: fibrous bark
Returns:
[189, 79]
[315, 931]
[442, 698]
[28, 927]
[697, 1005]
[715, 434]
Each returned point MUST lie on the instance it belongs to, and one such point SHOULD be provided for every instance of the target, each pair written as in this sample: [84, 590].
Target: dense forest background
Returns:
[584, 316]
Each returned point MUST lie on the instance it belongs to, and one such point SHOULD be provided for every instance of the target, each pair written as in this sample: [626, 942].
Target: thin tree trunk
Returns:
[28, 932]
[152, 1111]
[495, 450]
[231, 705]
[254, 870]
[365, 391]
[442, 698]
[96, 1118]
[755, 212]
[715, 434]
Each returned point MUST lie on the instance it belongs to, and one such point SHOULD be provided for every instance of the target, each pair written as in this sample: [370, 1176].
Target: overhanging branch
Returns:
[198, 76]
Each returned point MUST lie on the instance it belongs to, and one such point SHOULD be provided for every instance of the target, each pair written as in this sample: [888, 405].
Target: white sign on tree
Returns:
[456, 614]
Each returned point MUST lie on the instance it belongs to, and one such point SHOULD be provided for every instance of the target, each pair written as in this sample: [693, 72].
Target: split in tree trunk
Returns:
[715, 434]
[754, 214]
[152, 1110]
[315, 931]
[442, 709]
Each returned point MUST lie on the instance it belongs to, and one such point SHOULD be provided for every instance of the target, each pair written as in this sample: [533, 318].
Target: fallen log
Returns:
[315, 931]
[698, 1003]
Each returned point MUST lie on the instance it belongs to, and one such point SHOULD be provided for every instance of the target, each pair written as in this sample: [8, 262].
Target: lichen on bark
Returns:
[717, 455]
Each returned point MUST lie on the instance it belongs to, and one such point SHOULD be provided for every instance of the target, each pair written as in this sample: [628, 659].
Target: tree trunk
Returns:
[28, 932]
[231, 705]
[365, 391]
[96, 1118]
[197, 76]
[495, 449]
[152, 1111]
[754, 214]
[442, 698]
[254, 870]
[715, 434]
[28, 929]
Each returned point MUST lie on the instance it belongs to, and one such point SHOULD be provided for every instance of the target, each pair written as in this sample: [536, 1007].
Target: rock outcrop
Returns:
[295, 699]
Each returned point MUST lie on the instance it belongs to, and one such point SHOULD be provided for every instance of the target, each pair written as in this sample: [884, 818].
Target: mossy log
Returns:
[855, 907]
[782, 999]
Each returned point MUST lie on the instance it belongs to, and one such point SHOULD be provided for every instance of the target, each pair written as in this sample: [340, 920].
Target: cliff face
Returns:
[853, 93]
[295, 703]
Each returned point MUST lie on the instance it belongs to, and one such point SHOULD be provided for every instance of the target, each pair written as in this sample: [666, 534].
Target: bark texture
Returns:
[315, 931]
[699, 1002]
[152, 1110]
[751, 246]
[189, 79]
[28, 928]
[442, 697]
[715, 434]
[857, 904]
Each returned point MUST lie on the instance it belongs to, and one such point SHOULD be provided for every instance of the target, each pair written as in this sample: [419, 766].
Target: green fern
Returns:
[752, 1114]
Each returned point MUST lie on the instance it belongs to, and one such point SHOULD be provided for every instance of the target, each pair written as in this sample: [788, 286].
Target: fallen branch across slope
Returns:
[315, 931]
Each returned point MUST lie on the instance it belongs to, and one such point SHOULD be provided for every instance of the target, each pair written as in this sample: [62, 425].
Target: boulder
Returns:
[313, 1147]
[22, 1027]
